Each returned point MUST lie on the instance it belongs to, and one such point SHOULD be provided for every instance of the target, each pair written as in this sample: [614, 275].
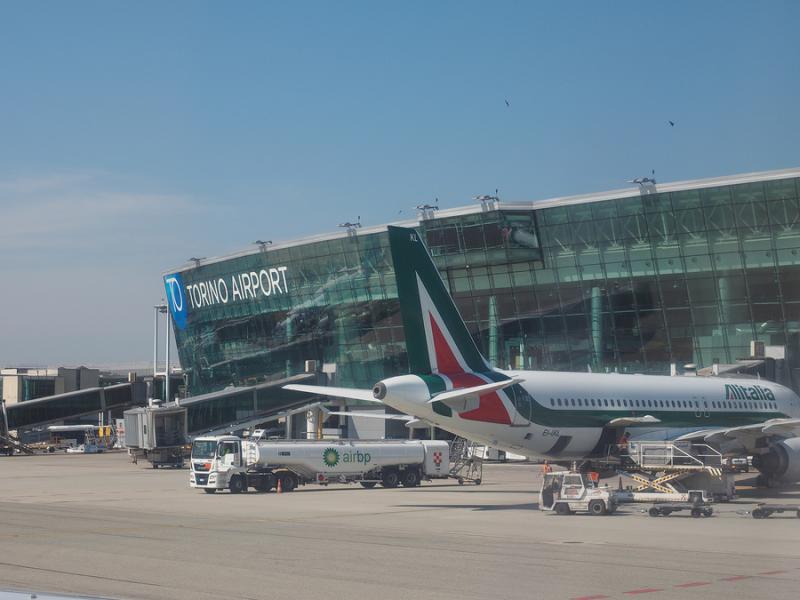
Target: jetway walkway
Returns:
[92, 401]
[238, 407]
[42, 411]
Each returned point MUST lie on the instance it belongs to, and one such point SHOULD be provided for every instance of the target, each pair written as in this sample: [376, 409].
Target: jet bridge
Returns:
[91, 401]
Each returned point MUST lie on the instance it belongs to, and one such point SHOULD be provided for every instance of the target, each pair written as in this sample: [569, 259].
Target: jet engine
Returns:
[781, 464]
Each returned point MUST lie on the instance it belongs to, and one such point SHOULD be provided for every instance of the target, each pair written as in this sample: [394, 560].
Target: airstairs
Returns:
[465, 464]
[9, 444]
[674, 467]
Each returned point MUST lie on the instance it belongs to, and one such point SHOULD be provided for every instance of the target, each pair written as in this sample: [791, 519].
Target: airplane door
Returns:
[703, 400]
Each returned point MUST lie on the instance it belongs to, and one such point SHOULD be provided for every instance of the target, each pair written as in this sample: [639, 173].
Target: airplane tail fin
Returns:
[437, 339]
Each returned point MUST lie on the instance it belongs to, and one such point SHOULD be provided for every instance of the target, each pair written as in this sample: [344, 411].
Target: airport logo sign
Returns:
[251, 285]
[248, 285]
[176, 299]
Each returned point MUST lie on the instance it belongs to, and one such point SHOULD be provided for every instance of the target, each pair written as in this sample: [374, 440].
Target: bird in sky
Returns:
[508, 103]
[671, 123]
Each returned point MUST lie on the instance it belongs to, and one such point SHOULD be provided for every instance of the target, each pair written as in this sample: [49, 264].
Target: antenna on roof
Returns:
[488, 202]
[352, 228]
[647, 185]
[426, 211]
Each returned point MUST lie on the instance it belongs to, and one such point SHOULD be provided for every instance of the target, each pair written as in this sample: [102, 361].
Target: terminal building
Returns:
[639, 280]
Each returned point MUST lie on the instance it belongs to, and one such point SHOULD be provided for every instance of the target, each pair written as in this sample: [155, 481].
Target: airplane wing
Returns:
[411, 422]
[476, 391]
[371, 415]
[745, 435]
[337, 392]
[628, 421]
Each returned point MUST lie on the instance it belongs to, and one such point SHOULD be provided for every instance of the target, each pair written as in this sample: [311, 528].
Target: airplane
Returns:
[564, 416]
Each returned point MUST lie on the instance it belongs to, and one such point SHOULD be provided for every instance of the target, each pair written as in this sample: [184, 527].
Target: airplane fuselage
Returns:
[570, 416]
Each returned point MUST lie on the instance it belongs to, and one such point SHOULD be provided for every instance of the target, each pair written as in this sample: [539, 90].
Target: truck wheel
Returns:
[654, 512]
[597, 507]
[708, 512]
[562, 509]
[759, 514]
[390, 479]
[477, 482]
[210, 490]
[288, 483]
[369, 484]
[262, 484]
[237, 484]
[410, 478]
[696, 512]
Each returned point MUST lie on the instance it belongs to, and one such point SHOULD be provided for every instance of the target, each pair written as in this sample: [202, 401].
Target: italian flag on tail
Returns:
[437, 340]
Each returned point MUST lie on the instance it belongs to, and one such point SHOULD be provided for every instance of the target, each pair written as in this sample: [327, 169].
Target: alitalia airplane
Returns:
[564, 416]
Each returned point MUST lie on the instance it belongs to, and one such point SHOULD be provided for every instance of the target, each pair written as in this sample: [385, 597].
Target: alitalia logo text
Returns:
[332, 457]
[748, 392]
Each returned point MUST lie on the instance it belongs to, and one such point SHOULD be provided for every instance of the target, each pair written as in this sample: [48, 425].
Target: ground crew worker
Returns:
[546, 468]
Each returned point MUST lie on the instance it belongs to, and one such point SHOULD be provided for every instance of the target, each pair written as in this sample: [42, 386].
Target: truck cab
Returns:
[215, 462]
[566, 492]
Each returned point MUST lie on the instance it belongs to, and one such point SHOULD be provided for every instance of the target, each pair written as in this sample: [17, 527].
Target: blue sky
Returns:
[135, 135]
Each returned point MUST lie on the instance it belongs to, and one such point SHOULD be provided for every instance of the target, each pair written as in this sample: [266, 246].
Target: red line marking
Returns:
[736, 578]
[596, 597]
[643, 591]
[772, 572]
[692, 584]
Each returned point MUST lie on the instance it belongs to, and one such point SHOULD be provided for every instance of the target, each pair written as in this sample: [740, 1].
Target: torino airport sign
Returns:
[248, 285]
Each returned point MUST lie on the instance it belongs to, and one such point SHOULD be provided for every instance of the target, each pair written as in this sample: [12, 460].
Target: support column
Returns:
[288, 427]
[493, 331]
[597, 326]
[313, 423]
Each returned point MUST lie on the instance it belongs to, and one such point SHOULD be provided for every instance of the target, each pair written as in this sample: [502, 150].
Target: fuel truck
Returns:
[236, 464]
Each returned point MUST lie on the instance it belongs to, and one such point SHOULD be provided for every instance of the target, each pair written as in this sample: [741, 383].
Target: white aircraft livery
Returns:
[558, 415]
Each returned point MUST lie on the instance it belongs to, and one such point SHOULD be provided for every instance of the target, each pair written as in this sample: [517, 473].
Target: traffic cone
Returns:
[279, 489]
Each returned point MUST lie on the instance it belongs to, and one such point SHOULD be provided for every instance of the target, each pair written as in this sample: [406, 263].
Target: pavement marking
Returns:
[595, 597]
[692, 584]
[736, 578]
[643, 591]
[772, 572]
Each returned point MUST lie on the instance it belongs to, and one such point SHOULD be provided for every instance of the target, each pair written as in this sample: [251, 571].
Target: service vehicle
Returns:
[236, 464]
[566, 492]
[697, 502]
[764, 510]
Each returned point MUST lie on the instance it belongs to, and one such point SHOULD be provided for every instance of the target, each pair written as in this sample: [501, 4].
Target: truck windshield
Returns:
[203, 448]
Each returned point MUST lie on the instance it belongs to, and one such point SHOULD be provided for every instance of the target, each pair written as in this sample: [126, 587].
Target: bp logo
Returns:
[330, 457]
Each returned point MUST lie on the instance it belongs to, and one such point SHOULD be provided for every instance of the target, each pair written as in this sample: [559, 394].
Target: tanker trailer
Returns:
[228, 462]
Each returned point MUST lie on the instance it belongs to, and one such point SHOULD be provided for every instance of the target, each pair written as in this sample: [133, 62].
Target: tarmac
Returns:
[97, 525]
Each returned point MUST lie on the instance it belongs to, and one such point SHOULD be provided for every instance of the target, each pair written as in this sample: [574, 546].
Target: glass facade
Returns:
[631, 283]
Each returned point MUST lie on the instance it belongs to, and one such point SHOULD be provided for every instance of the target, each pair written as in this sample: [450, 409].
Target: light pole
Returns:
[166, 366]
[158, 308]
